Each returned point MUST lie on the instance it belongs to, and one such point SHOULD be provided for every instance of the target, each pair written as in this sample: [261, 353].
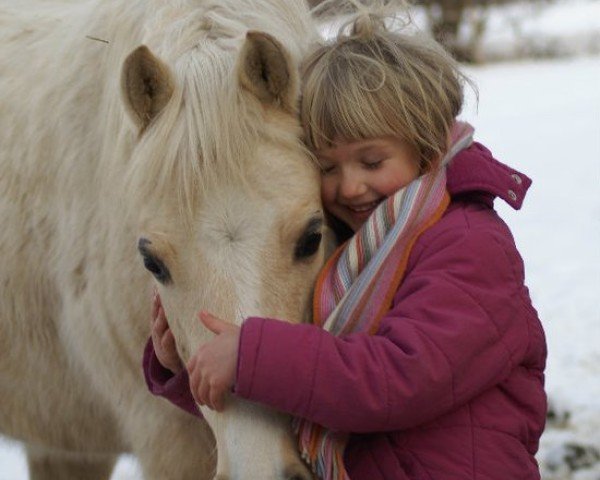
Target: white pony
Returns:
[169, 126]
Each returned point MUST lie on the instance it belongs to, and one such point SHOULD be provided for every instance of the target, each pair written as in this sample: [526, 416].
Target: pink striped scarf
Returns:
[356, 287]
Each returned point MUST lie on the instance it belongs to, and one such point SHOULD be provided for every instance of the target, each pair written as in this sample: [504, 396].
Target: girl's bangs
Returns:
[342, 112]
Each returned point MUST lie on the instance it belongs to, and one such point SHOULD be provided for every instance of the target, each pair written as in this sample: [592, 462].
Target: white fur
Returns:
[78, 187]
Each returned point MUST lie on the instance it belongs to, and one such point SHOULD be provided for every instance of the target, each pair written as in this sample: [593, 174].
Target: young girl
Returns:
[426, 359]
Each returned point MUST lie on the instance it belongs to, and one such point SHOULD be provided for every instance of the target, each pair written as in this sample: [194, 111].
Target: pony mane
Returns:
[212, 125]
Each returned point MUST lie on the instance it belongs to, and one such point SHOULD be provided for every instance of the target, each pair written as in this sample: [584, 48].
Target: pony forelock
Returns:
[210, 127]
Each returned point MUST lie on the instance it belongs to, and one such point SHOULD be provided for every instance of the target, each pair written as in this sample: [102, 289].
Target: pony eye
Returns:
[153, 264]
[157, 268]
[307, 245]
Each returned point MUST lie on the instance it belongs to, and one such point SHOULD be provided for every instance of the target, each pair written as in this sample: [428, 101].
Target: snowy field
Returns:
[542, 118]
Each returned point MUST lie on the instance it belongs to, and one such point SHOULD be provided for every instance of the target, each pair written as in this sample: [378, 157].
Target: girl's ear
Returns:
[146, 86]
[265, 69]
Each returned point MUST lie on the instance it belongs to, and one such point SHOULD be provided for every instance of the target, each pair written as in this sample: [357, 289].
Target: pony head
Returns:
[228, 212]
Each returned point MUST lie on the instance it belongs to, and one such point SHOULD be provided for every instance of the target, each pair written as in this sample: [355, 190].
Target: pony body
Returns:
[169, 126]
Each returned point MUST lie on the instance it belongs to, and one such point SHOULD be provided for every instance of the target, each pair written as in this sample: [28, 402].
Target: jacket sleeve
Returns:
[451, 334]
[163, 383]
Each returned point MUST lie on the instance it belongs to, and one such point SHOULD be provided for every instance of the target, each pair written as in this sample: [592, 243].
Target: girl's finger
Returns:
[194, 379]
[203, 393]
[155, 339]
[214, 324]
[161, 324]
[191, 365]
[168, 343]
[216, 399]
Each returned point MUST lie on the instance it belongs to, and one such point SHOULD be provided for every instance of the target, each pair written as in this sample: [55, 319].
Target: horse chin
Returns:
[273, 454]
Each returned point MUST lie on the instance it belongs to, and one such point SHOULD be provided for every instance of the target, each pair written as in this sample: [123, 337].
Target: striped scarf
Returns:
[356, 287]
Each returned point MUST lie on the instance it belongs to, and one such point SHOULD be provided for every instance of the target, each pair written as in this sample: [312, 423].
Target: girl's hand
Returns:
[163, 339]
[213, 367]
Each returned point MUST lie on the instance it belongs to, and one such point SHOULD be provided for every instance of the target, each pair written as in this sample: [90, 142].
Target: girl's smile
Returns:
[359, 213]
[358, 175]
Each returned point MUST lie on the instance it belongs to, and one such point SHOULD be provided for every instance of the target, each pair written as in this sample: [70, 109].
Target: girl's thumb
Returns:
[211, 322]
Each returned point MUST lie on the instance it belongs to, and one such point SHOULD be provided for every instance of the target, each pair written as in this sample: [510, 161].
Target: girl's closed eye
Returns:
[327, 169]
[372, 164]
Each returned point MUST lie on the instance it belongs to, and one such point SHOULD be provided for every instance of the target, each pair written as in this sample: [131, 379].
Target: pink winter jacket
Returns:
[452, 385]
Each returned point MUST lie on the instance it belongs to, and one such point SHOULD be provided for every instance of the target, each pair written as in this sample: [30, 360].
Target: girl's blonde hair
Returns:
[371, 81]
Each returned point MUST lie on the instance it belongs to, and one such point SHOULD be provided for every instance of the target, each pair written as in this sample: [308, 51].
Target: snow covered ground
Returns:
[544, 119]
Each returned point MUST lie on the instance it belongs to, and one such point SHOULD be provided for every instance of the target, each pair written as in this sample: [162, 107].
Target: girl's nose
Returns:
[351, 186]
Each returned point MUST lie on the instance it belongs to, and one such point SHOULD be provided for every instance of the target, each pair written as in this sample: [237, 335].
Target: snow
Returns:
[13, 465]
[543, 118]
[12, 461]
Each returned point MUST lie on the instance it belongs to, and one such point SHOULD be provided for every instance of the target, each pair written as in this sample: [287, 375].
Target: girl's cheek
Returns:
[391, 187]
[327, 188]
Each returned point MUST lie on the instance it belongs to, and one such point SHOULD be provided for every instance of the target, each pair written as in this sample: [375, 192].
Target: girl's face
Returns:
[357, 176]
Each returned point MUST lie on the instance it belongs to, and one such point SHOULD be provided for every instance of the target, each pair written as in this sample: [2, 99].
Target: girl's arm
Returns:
[456, 329]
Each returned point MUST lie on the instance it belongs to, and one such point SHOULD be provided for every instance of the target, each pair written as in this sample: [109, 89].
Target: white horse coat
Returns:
[192, 145]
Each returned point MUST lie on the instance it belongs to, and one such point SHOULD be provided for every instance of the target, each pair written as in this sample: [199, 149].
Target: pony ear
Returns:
[146, 86]
[265, 69]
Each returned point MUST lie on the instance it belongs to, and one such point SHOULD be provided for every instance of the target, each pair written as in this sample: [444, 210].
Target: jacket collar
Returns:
[475, 171]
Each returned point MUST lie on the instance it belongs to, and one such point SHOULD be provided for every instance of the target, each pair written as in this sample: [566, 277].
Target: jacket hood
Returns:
[475, 170]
